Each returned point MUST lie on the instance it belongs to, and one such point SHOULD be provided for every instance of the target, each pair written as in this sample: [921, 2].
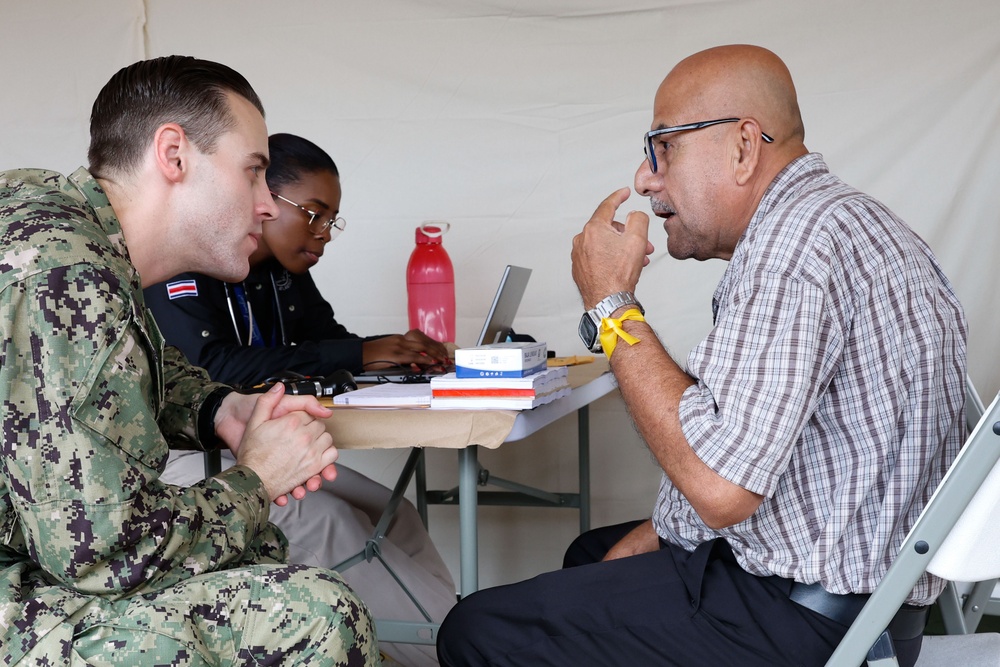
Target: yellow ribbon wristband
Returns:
[611, 330]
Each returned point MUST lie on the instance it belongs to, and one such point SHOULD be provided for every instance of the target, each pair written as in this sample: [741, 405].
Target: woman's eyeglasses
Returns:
[316, 225]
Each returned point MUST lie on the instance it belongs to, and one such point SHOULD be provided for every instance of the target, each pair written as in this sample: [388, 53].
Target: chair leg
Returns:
[951, 610]
[962, 616]
[976, 604]
[213, 463]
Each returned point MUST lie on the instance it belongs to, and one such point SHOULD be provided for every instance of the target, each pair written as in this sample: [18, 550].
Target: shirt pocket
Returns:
[120, 401]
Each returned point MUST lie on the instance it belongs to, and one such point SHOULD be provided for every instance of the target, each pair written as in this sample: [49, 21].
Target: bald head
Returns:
[739, 81]
[706, 181]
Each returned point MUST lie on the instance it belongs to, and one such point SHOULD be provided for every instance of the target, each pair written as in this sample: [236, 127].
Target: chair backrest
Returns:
[974, 408]
[961, 522]
[971, 550]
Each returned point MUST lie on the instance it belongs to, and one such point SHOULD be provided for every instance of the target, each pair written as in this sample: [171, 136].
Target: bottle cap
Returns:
[431, 231]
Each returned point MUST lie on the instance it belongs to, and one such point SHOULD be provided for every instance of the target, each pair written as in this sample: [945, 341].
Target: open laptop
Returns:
[498, 326]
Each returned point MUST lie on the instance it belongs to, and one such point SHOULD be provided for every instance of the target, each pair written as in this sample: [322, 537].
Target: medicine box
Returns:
[500, 360]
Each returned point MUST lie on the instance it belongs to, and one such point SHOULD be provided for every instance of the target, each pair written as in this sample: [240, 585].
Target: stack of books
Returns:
[507, 376]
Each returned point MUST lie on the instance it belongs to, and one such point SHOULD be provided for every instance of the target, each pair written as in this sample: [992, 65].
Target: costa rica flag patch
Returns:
[182, 288]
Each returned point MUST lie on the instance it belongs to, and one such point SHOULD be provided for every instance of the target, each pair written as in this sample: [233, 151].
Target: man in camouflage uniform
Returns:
[100, 562]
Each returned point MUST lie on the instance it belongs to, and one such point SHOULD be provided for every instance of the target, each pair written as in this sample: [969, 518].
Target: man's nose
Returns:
[268, 207]
[646, 182]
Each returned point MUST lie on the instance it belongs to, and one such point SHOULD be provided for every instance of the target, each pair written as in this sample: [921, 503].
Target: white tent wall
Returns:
[512, 120]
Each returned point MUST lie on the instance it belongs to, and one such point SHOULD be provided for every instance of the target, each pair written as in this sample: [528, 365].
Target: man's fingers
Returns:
[637, 224]
[308, 404]
[263, 409]
[314, 483]
[607, 208]
[634, 217]
[331, 453]
[316, 409]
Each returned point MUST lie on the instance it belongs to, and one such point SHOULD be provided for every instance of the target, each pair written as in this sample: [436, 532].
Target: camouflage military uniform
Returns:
[100, 562]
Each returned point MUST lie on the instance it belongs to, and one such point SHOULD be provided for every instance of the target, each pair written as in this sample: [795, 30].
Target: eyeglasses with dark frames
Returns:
[317, 226]
[651, 150]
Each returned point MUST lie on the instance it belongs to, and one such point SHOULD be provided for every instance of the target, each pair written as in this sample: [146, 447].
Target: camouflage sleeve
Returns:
[81, 392]
[185, 388]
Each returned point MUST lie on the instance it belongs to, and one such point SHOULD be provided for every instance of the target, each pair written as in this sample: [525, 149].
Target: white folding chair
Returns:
[956, 537]
[963, 604]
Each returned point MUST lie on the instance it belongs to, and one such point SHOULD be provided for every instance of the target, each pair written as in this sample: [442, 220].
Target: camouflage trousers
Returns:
[255, 615]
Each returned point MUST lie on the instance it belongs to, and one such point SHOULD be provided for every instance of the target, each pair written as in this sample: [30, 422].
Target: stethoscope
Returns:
[249, 313]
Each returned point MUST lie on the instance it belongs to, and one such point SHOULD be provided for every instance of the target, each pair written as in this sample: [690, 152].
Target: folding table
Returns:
[466, 431]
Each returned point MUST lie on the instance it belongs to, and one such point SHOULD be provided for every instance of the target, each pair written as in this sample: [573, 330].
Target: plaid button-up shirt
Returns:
[833, 383]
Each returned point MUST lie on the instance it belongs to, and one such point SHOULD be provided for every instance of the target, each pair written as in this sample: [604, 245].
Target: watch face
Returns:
[588, 333]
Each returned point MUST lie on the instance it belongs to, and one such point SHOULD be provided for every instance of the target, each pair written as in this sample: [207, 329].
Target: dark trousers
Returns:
[668, 607]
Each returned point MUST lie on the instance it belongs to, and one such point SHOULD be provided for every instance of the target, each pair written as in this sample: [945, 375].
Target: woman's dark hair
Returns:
[292, 156]
[143, 96]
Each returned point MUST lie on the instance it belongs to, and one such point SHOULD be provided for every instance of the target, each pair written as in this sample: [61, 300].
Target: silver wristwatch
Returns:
[590, 323]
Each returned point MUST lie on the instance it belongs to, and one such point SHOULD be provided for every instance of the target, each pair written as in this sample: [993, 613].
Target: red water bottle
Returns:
[430, 284]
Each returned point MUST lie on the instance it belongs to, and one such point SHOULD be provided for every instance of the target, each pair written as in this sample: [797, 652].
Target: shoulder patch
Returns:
[182, 288]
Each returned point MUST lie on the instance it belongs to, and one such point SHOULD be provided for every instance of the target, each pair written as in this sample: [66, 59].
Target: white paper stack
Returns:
[387, 395]
[516, 393]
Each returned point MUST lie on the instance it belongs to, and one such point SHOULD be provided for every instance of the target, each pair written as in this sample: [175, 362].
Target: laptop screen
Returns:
[500, 319]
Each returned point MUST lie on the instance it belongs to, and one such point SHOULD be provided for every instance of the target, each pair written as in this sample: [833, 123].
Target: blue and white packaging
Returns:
[500, 360]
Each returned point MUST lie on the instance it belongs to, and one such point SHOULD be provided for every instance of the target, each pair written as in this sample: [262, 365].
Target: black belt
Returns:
[908, 623]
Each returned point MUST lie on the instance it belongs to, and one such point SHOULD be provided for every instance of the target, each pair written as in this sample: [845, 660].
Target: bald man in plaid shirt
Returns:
[806, 433]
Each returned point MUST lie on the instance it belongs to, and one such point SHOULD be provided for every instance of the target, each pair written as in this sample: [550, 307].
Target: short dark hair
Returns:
[143, 96]
[292, 156]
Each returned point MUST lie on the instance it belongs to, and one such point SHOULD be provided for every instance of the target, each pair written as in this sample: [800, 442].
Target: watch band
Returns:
[613, 302]
[206, 417]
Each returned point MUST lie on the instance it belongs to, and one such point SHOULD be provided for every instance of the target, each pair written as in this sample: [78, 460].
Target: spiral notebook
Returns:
[498, 326]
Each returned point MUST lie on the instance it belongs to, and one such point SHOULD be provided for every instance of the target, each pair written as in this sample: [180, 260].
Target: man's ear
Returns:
[171, 151]
[747, 153]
